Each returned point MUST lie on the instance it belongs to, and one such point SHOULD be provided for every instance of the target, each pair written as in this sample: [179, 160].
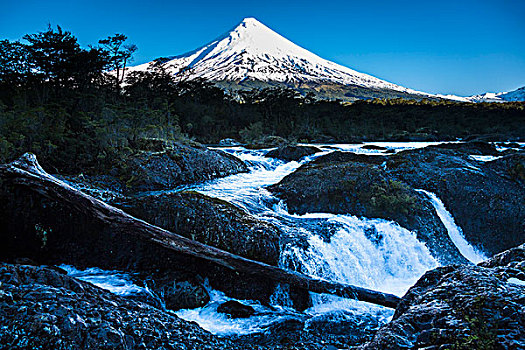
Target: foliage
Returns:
[392, 197]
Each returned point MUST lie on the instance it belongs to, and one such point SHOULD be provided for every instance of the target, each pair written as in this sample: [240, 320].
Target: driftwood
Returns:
[27, 172]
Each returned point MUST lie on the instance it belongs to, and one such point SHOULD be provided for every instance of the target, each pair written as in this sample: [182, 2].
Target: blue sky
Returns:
[460, 47]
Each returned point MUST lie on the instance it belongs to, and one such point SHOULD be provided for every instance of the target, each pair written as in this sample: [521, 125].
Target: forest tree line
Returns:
[58, 101]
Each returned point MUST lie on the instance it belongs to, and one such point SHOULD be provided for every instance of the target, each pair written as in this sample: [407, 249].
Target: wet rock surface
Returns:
[337, 330]
[486, 199]
[292, 153]
[211, 221]
[52, 233]
[235, 309]
[462, 307]
[157, 165]
[345, 183]
[374, 147]
[43, 309]
[176, 290]
[457, 306]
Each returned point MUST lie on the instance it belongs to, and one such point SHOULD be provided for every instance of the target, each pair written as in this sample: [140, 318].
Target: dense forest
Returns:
[58, 100]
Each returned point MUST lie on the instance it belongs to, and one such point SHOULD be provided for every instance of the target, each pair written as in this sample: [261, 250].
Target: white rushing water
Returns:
[115, 281]
[454, 231]
[370, 253]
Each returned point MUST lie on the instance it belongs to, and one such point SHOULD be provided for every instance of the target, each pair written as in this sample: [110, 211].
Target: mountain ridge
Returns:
[253, 55]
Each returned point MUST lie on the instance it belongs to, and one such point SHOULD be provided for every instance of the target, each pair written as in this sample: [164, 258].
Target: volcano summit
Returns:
[252, 55]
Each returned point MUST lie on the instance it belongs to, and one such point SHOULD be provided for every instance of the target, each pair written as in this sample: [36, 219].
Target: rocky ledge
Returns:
[159, 165]
[486, 199]
[462, 307]
[41, 308]
[451, 307]
[292, 153]
[346, 183]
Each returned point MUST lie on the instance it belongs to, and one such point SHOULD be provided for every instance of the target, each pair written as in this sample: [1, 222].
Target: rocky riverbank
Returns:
[458, 306]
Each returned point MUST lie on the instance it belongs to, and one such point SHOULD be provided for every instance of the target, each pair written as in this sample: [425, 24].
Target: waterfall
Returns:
[454, 231]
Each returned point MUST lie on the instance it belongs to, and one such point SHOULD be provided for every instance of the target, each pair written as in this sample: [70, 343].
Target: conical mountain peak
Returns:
[252, 52]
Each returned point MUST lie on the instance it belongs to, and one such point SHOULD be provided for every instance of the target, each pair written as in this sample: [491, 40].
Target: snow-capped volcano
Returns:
[252, 52]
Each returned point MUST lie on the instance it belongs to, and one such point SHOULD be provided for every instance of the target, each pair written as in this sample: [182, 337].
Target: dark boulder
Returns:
[175, 165]
[511, 167]
[235, 309]
[155, 166]
[486, 199]
[341, 183]
[461, 307]
[43, 309]
[374, 148]
[268, 142]
[343, 328]
[290, 153]
[283, 333]
[177, 290]
[473, 147]
[229, 142]
[209, 220]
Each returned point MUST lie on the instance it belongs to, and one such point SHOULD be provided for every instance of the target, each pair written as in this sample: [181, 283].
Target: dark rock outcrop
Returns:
[462, 307]
[473, 147]
[291, 153]
[218, 223]
[177, 290]
[268, 142]
[43, 309]
[343, 328]
[283, 333]
[174, 165]
[229, 142]
[374, 147]
[235, 309]
[50, 232]
[211, 221]
[486, 199]
[156, 165]
[343, 183]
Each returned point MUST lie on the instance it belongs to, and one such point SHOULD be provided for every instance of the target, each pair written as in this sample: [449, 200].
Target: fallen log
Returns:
[27, 172]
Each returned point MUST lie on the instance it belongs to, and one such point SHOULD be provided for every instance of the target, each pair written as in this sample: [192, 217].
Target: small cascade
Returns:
[454, 231]
[371, 253]
[114, 281]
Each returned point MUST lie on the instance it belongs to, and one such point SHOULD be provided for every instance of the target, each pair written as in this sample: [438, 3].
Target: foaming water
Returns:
[371, 253]
[392, 146]
[114, 281]
[247, 189]
[220, 324]
[454, 231]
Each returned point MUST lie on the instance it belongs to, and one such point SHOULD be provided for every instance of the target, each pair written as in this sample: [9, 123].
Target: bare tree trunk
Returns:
[27, 172]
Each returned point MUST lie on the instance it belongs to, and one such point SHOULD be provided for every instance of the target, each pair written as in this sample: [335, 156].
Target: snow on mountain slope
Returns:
[254, 52]
[512, 96]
